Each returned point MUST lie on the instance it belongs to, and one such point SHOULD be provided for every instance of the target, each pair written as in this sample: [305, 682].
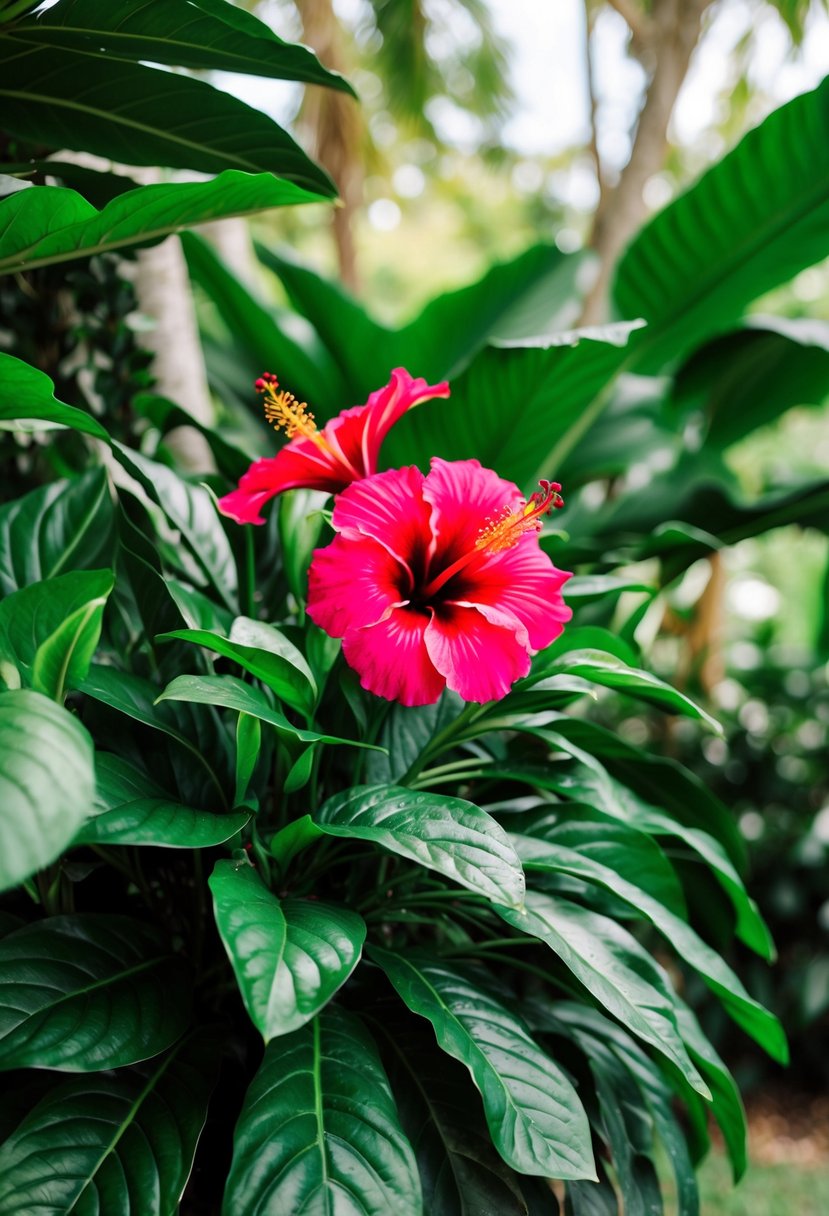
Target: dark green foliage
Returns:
[431, 956]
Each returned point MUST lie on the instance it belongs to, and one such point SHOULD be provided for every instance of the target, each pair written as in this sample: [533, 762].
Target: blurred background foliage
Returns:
[440, 179]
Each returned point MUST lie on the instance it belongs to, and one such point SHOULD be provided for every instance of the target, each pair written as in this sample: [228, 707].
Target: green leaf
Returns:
[50, 630]
[289, 956]
[754, 220]
[747, 379]
[637, 782]
[51, 224]
[727, 1105]
[135, 697]
[246, 699]
[126, 1143]
[26, 393]
[68, 525]
[319, 1131]
[599, 839]
[189, 35]
[86, 992]
[131, 809]
[754, 1019]
[610, 672]
[449, 835]
[137, 115]
[191, 510]
[269, 337]
[248, 744]
[265, 653]
[47, 782]
[460, 1171]
[519, 409]
[612, 966]
[533, 1113]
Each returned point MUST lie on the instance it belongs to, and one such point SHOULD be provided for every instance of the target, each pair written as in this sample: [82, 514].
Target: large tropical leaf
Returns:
[449, 835]
[27, 393]
[319, 1132]
[460, 1171]
[126, 1143]
[290, 956]
[67, 525]
[611, 964]
[751, 222]
[749, 378]
[83, 993]
[519, 407]
[50, 224]
[755, 1020]
[185, 33]
[534, 1115]
[130, 808]
[141, 116]
[47, 782]
[50, 630]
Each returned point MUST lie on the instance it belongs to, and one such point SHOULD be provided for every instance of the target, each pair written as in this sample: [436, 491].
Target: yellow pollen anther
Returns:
[287, 414]
[507, 528]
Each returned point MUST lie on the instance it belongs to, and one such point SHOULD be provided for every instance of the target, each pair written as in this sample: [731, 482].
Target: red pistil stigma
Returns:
[266, 380]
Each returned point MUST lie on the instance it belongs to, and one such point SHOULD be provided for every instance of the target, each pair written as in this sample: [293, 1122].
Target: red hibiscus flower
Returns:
[345, 450]
[438, 581]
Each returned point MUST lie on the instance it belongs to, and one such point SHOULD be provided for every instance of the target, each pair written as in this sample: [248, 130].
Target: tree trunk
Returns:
[334, 123]
[665, 39]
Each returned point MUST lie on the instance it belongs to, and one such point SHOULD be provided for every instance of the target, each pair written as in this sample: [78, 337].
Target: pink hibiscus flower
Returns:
[345, 450]
[438, 581]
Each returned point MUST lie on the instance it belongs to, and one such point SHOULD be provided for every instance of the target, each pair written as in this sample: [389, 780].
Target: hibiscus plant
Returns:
[323, 892]
[386, 921]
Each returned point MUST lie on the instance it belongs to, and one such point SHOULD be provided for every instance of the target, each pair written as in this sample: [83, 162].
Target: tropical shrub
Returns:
[297, 947]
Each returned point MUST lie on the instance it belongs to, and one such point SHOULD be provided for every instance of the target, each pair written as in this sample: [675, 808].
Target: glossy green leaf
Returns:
[754, 1019]
[137, 115]
[52, 224]
[555, 390]
[232, 693]
[191, 510]
[534, 1115]
[529, 295]
[86, 992]
[319, 1132]
[50, 630]
[265, 653]
[248, 744]
[597, 838]
[289, 956]
[270, 338]
[130, 808]
[28, 393]
[612, 966]
[460, 1171]
[67, 525]
[727, 1106]
[47, 782]
[177, 32]
[131, 695]
[449, 835]
[751, 222]
[748, 379]
[601, 668]
[634, 783]
[126, 1143]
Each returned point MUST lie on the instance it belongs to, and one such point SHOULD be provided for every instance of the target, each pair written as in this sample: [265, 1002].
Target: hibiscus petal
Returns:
[522, 581]
[480, 650]
[353, 583]
[300, 463]
[464, 498]
[392, 659]
[388, 507]
[358, 433]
